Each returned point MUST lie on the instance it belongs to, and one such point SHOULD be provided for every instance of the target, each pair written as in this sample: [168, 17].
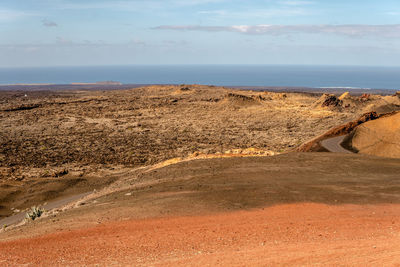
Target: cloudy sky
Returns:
[120, 32]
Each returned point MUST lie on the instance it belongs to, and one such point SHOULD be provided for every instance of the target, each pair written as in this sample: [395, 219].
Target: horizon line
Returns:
[200, 64]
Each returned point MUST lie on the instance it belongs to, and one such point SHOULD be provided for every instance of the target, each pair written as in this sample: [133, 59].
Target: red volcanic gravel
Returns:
[300, 234]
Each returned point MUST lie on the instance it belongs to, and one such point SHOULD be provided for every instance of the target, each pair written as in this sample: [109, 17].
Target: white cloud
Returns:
[296, 3]
[9, 14]
[393, 13]
[138, 42]
[213, 12]
[388, 31]
[110, 5]
[195, 2]
[128, 5]
[65, 42]
[49, 23]
[257, 13]
[32, 49]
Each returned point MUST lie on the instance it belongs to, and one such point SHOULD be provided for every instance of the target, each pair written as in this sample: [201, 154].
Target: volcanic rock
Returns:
[329, 100]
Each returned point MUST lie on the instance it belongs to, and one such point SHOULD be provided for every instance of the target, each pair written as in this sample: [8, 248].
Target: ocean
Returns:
[223, 75]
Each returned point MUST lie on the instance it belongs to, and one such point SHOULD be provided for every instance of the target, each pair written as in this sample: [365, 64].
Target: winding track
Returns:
[52, 205]
[333, 144]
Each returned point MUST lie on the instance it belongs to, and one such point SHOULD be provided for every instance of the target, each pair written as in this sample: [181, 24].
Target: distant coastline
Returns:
[104, 87]
[322, 77]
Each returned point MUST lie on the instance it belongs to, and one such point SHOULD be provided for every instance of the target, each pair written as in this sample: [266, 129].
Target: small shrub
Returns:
[60, 173]
[33, 213]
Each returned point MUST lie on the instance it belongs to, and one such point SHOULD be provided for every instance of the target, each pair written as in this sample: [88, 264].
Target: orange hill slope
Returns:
[379, 137]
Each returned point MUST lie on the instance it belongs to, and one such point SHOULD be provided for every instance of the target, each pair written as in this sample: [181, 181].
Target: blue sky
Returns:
[121, 32]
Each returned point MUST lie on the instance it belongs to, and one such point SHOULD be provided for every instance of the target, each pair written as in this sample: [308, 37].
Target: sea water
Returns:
[224, 75]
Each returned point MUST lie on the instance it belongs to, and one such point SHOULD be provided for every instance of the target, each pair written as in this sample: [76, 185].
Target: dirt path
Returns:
[333, 144]
[285, 234]
[52, 205]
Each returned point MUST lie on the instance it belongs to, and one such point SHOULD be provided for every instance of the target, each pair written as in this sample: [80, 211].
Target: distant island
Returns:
[99, 83]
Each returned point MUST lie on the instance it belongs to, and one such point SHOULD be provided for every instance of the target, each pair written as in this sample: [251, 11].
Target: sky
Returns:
[158, 32]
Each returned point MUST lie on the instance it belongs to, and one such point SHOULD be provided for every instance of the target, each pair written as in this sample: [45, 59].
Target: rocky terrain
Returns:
[62, 132]
[149, 125]
[185, 160]
[80, 135]
[83, 135]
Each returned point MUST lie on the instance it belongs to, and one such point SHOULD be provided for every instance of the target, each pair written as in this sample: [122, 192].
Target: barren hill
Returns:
[379, 137]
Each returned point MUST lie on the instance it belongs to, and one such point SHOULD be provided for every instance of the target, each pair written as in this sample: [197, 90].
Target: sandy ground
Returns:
[292, 234]
[290, 209]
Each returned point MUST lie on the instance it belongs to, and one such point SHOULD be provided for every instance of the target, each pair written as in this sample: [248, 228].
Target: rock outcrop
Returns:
[329, 100]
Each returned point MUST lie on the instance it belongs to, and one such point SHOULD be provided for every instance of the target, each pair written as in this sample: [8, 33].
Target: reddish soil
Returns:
[300, 234]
